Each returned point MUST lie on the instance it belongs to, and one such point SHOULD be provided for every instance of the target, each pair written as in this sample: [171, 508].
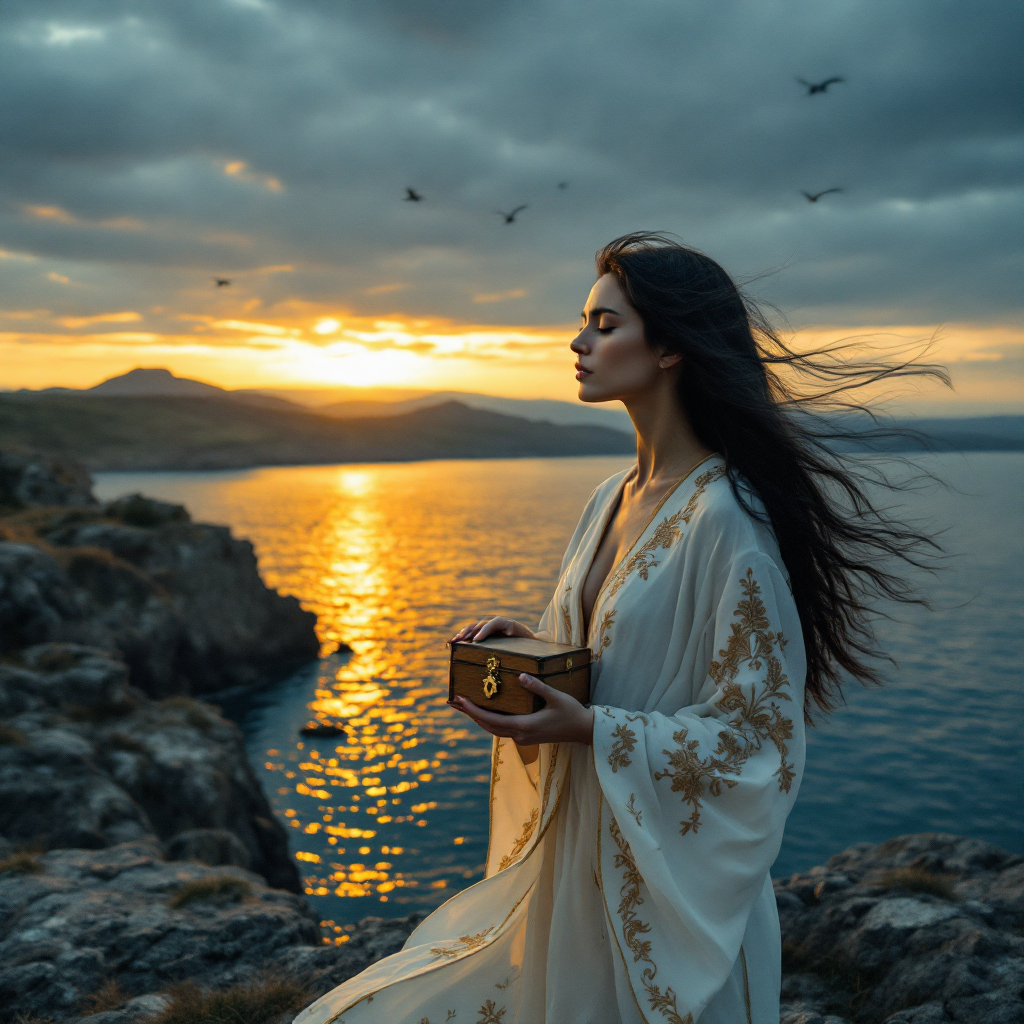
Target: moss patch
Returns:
[9, 736]
[221, 888]
[197, 714]
[20, 864]
[919, 880]
[111, 995]
[259, 1002]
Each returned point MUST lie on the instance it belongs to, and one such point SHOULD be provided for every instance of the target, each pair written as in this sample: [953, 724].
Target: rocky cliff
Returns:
[111, 616]
[88, 761]
[181, 602]
[924, 929]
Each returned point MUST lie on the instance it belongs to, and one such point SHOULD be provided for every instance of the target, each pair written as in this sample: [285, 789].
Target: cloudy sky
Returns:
[148, 146]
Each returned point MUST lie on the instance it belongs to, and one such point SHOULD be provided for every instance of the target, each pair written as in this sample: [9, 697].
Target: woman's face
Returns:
[613, 359]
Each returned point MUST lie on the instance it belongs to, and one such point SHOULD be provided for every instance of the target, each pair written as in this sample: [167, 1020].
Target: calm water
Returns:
[392, 815]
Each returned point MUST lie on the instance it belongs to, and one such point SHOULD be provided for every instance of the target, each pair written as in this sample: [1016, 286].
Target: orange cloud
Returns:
[298, 343]
[62, 216]
[74, 322]
[240, 169]
[51, 213]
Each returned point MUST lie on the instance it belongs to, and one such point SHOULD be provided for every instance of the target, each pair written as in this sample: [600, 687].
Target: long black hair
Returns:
[782, 420]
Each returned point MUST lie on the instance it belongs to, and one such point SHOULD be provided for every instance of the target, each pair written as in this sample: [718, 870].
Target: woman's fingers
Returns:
[498, 624]
[492, 626]
[497, 725]
[467, 632]
[552, 697]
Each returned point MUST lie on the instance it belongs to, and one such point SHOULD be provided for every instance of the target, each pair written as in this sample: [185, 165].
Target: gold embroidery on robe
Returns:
[624, 745]
[490, 1014]
[520, 844]
[631, 807]
[757, 717]
[465, 943]
[495, 777]
[603, 640]
[666, 534]
[633, 928]
[567, 616]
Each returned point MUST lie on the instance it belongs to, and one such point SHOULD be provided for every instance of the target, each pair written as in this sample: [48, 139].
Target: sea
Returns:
[390, 815]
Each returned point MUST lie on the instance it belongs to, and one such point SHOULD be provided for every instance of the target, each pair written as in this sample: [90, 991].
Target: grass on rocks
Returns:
[111, 995]
[9, 736]
[199, 715]
[222, 888]
[99, 712]
[20, 864]
[916, 879]
[258, 1002]
[851, 986]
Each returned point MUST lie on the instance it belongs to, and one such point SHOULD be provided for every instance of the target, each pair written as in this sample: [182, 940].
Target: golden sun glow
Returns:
[300, 344]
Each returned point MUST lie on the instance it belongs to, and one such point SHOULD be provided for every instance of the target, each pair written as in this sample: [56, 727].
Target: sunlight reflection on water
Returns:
[390, 815]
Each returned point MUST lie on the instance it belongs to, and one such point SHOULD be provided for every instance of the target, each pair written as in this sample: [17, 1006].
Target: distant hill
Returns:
[151, 419]
[346, 402]
[157, 432]
[158, 381]
[540, 410]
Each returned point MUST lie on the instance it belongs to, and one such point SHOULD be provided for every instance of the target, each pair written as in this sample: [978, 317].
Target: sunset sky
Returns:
[148, 147]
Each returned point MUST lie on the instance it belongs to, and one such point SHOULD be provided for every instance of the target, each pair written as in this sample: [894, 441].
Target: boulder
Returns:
[88, 761]
[923, 929]
[84, 919]
[28, 479]
[181, 602]
[210, 846]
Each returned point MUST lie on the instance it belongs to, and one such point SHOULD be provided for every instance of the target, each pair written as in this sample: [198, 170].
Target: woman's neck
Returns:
[666, 445]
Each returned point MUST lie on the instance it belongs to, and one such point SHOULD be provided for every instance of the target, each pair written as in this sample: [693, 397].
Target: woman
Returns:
[722, 585]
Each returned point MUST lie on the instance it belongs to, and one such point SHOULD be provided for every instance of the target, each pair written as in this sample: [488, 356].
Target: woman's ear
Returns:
[669, 359]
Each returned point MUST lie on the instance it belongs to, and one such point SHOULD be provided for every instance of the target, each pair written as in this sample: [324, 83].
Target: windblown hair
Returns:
[782, 420]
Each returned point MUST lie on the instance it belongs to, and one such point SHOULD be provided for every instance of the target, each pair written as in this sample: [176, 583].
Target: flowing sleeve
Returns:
[694, 802]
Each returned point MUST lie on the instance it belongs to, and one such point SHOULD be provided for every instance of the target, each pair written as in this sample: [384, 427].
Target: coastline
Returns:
[141, 865]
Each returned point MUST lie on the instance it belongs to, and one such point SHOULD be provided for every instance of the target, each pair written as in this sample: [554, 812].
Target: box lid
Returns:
[522, 654]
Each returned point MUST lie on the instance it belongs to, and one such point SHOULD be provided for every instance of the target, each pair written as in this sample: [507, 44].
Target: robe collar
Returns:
[581, 565]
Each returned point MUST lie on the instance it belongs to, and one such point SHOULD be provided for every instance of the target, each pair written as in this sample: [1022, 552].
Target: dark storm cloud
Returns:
[119, 119]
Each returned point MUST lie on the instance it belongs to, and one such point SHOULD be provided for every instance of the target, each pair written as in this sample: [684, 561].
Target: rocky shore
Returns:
[181, 603]
[924, 929]
[143, 876]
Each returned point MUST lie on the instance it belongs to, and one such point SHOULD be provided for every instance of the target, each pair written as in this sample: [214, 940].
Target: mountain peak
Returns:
[155, 380]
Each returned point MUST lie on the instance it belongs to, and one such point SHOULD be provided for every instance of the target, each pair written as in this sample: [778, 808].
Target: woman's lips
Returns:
[581, 372]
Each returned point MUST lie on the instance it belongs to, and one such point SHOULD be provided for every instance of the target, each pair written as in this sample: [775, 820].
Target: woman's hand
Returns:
[563, 720]
[490, 627]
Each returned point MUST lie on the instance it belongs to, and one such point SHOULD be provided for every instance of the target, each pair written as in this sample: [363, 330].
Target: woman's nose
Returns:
[579, 344]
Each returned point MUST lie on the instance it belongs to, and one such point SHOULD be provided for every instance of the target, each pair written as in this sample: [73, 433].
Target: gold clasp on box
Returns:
[568, 664]
[492, 679]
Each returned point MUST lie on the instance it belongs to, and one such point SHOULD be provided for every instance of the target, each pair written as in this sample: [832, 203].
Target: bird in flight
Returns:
[510, 218]
[412, 196]
[813, 88]
[221, 282]
[817, 195]
[563, 184]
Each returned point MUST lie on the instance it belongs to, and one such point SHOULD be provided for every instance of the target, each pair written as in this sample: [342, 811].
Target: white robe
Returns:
[629, 881]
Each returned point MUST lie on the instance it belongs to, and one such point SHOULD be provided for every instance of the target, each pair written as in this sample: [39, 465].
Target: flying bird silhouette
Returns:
[813, 88]
[510, 218]
[817, 195]
[412, 196]
[221, 282]
[563, 184]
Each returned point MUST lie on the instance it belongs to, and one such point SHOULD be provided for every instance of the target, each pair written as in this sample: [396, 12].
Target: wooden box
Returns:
[487, 673]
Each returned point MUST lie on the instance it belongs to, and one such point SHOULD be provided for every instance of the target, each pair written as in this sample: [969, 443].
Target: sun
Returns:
[348, 364]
